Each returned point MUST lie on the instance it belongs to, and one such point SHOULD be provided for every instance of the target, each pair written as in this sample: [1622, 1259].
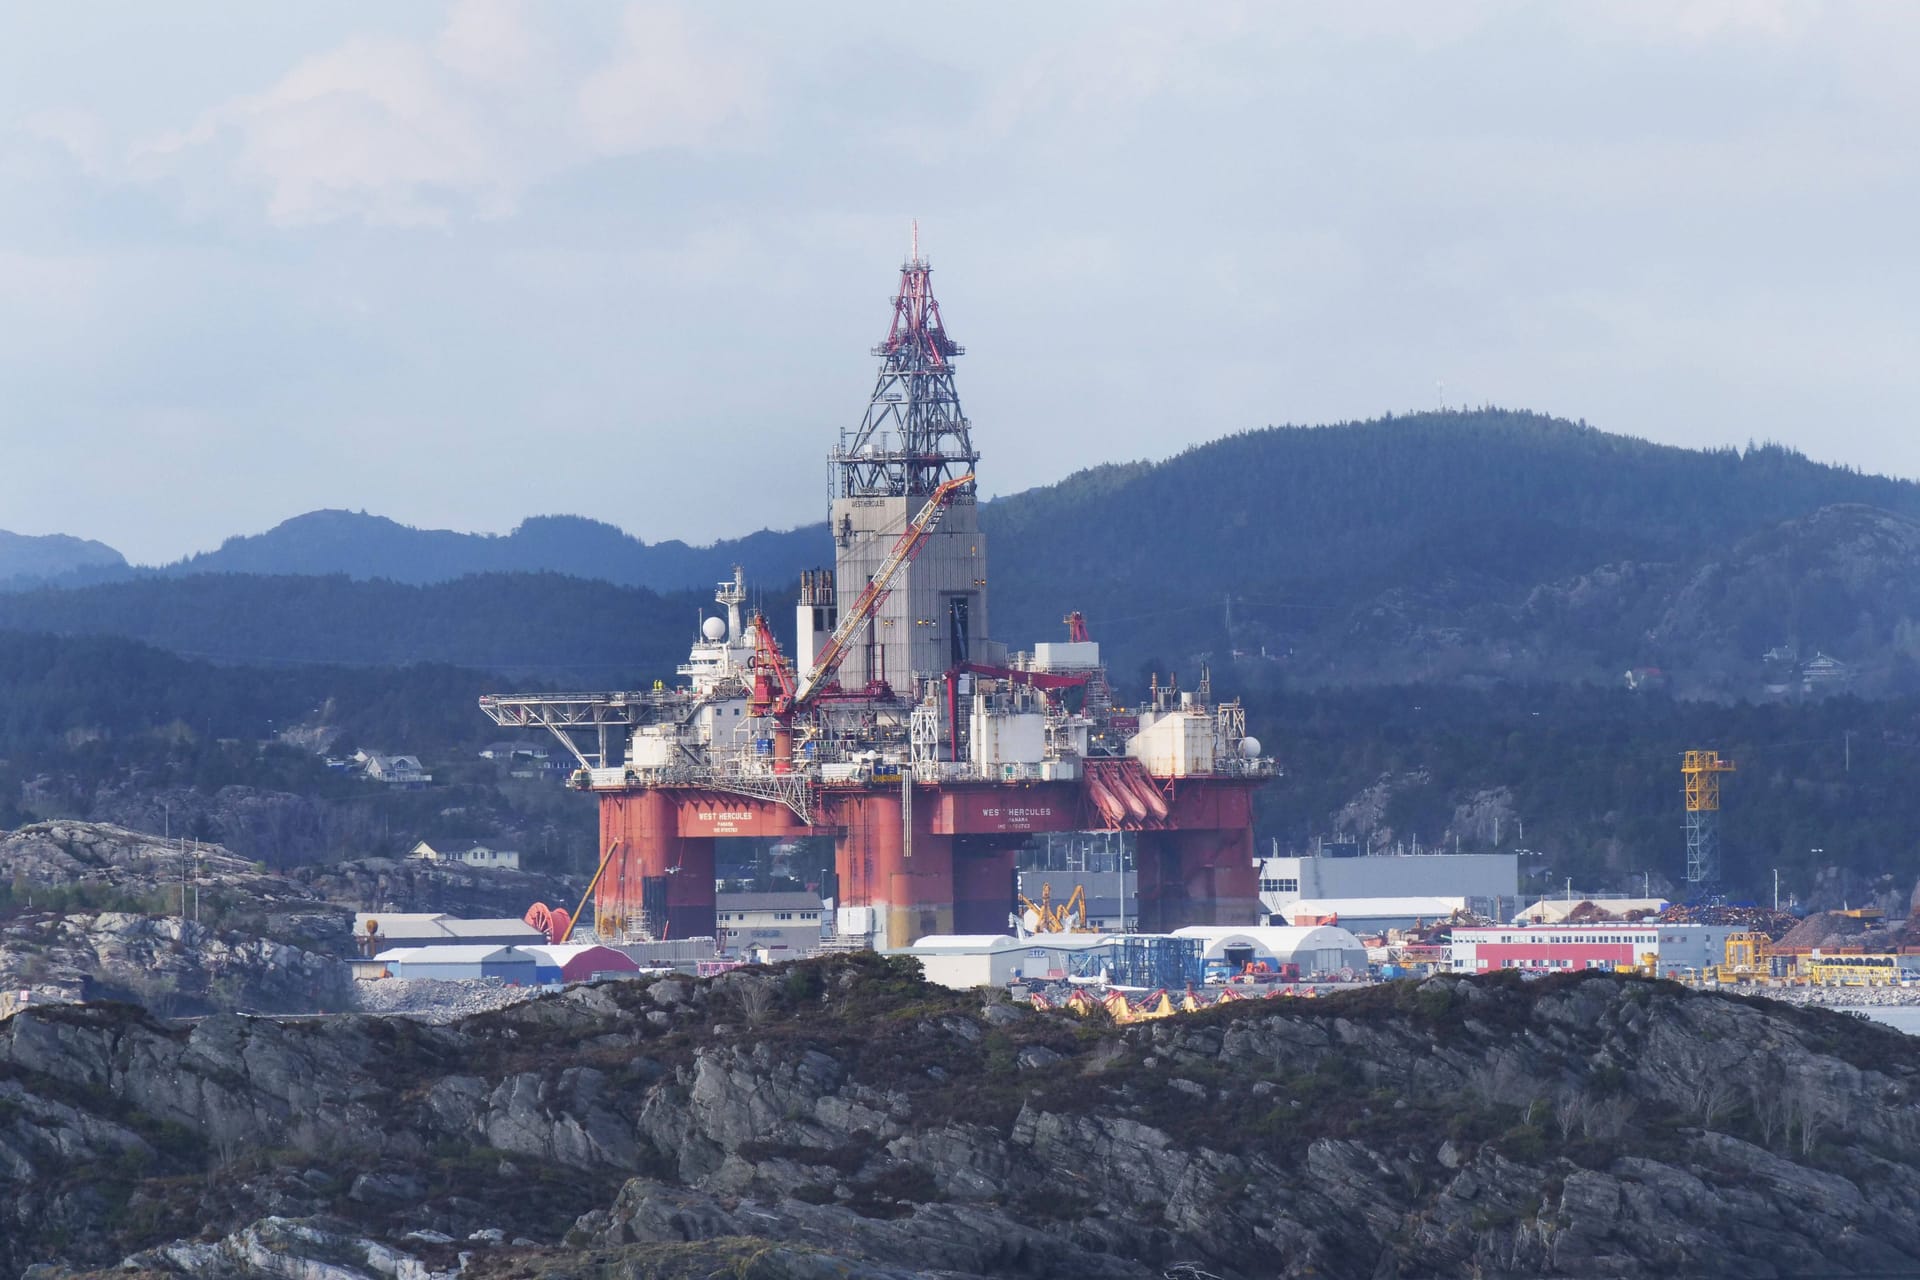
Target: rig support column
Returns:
[1197, 877]
[983, 884]
[910, 894]
[660, 882]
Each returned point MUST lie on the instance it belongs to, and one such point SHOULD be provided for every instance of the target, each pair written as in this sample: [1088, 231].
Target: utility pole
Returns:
[1776, 888]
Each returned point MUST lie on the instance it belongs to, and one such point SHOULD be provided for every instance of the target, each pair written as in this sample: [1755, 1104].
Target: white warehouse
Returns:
[1317, 950]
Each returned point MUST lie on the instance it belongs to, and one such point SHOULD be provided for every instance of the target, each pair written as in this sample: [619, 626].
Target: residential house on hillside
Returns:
[525, 759]
[395, 771]
[1823, 673]
[477, 855]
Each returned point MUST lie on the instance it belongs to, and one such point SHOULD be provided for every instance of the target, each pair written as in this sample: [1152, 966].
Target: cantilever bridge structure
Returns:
[922, 747]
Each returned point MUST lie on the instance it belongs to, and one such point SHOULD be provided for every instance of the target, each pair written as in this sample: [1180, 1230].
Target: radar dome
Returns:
[714, 628]
[1250, 748]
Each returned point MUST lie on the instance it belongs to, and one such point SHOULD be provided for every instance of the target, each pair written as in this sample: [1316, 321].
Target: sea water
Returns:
[1904, 1017]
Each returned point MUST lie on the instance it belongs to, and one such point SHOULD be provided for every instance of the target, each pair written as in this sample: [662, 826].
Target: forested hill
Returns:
[1517, 497]
[29, 558]
[1458, 546]
[545, 624]
[1486, 544]
[359, 545]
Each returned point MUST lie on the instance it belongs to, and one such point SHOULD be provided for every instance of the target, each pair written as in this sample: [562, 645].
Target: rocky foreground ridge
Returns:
[93, 911]
[840, 1117]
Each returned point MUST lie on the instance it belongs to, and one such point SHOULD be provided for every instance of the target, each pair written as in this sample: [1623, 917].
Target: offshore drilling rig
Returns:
[927, 751]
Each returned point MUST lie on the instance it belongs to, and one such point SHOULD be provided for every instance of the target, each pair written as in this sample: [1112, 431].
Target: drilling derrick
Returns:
[923, 749]
[1700, 771]
[912, 439]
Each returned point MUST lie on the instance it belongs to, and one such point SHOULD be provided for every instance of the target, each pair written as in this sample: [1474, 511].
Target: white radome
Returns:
[1250, 748]
[714, 628]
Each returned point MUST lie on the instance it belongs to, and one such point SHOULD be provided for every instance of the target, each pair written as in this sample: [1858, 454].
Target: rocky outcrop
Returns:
[414, 884]
[104, 856]
[841, 1114]
[99, 915]
[168, 964]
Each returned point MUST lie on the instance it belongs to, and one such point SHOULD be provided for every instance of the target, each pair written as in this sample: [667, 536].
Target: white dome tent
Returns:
[1318, 950]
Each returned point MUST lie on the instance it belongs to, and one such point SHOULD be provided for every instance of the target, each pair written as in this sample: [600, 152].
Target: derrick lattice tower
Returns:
[1700, 771]
[912, 438]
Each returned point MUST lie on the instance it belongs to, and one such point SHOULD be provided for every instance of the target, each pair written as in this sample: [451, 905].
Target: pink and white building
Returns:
[1549, 948]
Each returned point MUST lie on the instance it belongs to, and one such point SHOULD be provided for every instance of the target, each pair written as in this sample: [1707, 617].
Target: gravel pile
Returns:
[1845, 997]
[436, 1000]
[1824, 929]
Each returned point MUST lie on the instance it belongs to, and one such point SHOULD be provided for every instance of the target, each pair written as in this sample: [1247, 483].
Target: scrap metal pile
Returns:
[1775, 924]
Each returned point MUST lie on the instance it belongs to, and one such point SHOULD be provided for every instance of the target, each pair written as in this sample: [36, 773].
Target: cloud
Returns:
[669, 85]
[371, 130]
[397, 132]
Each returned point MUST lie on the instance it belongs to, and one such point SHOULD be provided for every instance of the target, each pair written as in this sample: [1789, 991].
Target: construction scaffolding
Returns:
[1700, 772]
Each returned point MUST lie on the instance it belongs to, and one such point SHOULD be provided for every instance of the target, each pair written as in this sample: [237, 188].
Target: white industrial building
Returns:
[1490, 882]
[433, 928]
[1366, 916]
[785, 925]
[1606, 944]
[511, 965]
[993, 960]
[1321, 950]
[963, 960]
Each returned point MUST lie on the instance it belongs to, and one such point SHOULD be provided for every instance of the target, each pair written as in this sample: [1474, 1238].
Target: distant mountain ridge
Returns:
[1455, 546]
[367, 546]
[28, 558]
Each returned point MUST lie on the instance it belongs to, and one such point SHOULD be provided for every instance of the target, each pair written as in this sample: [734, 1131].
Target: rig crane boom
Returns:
[911, 539]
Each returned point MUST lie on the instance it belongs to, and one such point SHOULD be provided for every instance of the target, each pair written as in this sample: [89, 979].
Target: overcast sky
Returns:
[460, 264]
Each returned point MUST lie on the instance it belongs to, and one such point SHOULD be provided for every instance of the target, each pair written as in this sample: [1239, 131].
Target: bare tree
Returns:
[754, 996]
[1570, 1113]
[1772, 1114]
[1812, 1125]
[1710, 1100]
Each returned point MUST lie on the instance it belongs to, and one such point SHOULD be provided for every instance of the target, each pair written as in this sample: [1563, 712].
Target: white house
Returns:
[396, 771]
[477, 856]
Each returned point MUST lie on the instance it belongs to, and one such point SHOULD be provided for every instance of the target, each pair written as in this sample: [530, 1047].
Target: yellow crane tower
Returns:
[1701, 772]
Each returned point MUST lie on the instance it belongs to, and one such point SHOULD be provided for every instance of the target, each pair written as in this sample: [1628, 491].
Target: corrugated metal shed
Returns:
[579, 961]
[422, 929]
[462, 963]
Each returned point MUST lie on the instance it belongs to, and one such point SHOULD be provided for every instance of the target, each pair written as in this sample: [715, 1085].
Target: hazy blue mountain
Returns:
[367, 546]
[589, 633]
[1462, 546]
[28, 558]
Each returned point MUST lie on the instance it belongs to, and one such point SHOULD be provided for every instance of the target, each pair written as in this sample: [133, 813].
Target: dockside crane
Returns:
[774, 691]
